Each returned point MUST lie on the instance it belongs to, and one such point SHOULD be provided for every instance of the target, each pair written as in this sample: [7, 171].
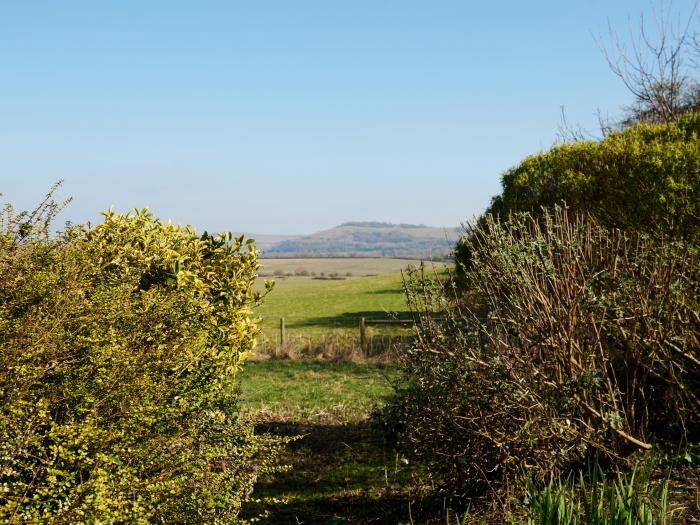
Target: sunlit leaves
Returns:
[119, 348]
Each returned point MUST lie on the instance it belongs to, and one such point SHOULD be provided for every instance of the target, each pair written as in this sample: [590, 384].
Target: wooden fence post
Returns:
[362, 334]
[281, 331]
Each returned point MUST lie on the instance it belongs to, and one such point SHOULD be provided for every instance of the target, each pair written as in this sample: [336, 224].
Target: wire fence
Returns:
[332, 345]
[338, 344]
[362, 342]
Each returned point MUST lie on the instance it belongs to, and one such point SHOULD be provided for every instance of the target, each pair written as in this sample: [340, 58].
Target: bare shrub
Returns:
[589, 350]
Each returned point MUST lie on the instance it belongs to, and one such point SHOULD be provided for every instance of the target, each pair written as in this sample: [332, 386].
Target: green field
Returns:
[313, 391]
[355, 266]
[313, 307]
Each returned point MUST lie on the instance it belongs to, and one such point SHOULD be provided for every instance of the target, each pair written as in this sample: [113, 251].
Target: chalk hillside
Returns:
[368, 239]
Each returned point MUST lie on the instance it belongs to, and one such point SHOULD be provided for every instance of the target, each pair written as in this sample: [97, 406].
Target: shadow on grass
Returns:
[348, 509]
[320, 438]
[339, 474]
[385, 291]
[351, 319]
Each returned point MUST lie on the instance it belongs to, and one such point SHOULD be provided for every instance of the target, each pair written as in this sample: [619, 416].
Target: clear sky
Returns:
[293, 116]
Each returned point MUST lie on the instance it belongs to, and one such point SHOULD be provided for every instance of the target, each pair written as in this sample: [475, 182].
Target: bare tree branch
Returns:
[570, 133]
[658, 64]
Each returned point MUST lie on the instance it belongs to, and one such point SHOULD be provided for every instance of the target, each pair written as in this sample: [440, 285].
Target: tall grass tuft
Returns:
[594, 500]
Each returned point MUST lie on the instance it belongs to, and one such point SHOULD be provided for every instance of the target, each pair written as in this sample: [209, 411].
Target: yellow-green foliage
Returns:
[645, 177]
[119, 346]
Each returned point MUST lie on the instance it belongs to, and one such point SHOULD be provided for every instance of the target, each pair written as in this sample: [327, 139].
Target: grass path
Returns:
[314, 392]
[341, 471]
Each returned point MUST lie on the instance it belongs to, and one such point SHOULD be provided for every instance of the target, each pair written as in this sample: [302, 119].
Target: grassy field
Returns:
[355, 266]
[341, 471]
[315, 392]
[314, 307]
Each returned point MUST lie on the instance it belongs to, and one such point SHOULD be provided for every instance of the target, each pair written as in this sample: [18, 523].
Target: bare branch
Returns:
[654, 67]
[569, 133]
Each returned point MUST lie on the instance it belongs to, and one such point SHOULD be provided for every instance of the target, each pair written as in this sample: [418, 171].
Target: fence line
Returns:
[332, 344]
[369, 344]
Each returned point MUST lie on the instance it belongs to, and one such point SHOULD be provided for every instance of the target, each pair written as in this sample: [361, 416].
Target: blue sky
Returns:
[293, 116]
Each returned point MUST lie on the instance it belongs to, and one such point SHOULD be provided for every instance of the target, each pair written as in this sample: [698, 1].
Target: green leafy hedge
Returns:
[646, 178]
[119, 346]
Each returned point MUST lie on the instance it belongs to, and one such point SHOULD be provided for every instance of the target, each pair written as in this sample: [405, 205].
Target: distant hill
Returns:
[265, 242]
[368, 239]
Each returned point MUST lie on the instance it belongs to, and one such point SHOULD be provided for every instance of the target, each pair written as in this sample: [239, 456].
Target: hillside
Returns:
[265, 242]
[374, 239]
